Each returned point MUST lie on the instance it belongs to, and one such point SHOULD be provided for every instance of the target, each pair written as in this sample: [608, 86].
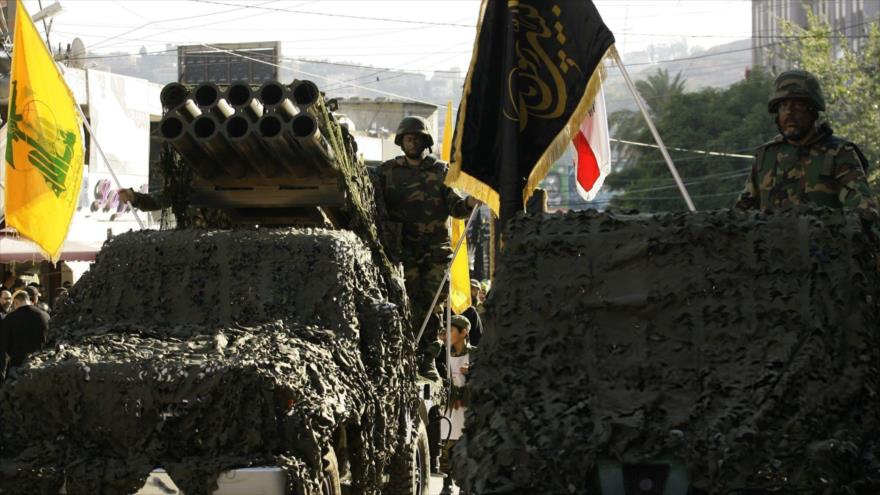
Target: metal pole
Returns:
[446, 275]
[641, 104]
[449, 339]
[45, 28]
[98, 145]
[104, 157]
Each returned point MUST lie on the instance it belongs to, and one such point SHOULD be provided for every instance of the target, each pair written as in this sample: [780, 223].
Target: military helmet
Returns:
[460, 322]
[413, 125]
[799, 85]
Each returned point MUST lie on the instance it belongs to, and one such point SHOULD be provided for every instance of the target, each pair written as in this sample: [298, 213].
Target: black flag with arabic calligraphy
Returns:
[535, 71]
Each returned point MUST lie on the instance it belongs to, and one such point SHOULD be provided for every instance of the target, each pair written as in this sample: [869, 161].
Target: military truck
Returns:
[719, 352]
[261, 347]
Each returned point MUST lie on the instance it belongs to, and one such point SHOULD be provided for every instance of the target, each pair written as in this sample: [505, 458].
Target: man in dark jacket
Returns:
[24, 331]
[5, 302]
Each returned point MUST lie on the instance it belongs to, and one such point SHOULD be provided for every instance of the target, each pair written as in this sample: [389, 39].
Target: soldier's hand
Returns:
[125, 195]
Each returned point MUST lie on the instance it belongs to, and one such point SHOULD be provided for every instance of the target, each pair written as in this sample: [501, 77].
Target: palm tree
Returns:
[658, 89]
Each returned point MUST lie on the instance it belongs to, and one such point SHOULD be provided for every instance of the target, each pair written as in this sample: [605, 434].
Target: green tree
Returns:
[730, 120]
[659, 88]
[850, 81]
[656, 90]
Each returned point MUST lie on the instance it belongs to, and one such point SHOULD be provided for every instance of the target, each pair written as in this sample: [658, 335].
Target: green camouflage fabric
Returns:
[195, 217]
[799, 85]
[416, 199]
[422, 277]
[826, 172]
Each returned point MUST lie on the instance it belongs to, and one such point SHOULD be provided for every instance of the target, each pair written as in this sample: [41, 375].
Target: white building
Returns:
[850, 20]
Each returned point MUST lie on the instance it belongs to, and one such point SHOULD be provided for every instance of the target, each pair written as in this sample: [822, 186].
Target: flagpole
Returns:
[446, 275]
[449, 333]
[98, 145]
[106, 161]
[641, 104]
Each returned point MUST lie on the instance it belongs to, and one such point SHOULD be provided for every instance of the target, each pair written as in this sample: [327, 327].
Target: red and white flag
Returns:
[592, 150]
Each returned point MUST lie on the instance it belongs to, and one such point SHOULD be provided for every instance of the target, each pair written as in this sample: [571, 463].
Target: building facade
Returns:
[850, 20]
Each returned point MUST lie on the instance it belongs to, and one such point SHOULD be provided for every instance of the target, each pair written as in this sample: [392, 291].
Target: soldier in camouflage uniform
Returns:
[419, 203]
[805, 163]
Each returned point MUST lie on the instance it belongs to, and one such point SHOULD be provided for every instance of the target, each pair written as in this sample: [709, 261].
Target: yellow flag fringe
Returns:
[455, 177]
[477, 188]
[562, 140]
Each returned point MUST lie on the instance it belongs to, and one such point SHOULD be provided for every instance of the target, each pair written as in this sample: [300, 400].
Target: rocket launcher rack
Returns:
[267, 155]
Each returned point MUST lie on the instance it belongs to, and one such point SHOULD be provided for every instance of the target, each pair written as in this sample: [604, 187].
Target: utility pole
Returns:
[9, 19]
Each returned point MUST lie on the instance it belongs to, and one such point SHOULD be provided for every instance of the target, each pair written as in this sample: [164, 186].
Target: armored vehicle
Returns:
[722, 352]
[273, 355]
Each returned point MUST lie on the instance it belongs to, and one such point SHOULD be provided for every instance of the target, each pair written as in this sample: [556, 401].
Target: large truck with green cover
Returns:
[717, 352]
[263, 346]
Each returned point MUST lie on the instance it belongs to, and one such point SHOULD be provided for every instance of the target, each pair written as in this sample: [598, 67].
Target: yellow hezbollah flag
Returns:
[44, 151]
[459, 274]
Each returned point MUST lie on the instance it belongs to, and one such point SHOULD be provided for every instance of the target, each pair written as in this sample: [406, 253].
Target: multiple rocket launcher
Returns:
[271, 132]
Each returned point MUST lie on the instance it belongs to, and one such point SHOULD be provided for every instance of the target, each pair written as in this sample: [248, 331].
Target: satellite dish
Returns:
[77, 54]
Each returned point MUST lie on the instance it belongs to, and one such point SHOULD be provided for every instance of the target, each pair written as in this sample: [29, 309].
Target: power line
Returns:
[345, 16]
[376, 74]
[173, 19]
[386, 93]
[701, 152]
[385, 69]
[726, 52]
[731, 175]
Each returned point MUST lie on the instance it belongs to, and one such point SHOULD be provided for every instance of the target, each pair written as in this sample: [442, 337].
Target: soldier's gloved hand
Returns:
[125, 195]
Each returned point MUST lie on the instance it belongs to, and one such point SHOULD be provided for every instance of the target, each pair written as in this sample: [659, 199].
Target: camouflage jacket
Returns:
[418, 200]
[826, 171]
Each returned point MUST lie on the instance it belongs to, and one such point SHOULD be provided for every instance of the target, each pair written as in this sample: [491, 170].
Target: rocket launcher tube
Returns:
[206, 94]
[275, 97]
[209, 98]
[280, 143]
[173, 95]
[173, 130]
[241, 135]
[242, 99]
[304, 93]
[206, 130]
[314, 145]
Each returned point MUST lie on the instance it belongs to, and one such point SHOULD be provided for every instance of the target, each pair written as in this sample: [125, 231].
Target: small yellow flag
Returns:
[460, 274]
[44, 151]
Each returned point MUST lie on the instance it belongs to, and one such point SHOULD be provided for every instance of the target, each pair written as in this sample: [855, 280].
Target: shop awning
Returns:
[16, 248]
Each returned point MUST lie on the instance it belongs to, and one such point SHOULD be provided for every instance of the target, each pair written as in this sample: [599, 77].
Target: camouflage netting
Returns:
[742, 344]
[360, 211]
[361, 207]
[200, 351]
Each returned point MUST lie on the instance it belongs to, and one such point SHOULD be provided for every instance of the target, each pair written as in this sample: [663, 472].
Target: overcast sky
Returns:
[413, 34]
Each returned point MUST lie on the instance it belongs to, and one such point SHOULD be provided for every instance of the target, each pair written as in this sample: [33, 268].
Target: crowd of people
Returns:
[24, 321]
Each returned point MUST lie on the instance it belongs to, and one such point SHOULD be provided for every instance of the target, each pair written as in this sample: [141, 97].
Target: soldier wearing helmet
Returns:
[418, 203]
[805, 163]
